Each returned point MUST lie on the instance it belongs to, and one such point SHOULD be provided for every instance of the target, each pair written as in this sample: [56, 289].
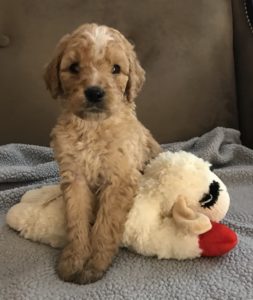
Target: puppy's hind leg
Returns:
[153, 147]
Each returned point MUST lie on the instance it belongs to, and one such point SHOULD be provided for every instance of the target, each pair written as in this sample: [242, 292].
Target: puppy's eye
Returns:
[74, 68]
[116, 69]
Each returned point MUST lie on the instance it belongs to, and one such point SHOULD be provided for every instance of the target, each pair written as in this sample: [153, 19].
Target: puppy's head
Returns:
[95, 71]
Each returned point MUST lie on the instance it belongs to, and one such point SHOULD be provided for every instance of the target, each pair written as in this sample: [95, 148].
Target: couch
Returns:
[197, 55]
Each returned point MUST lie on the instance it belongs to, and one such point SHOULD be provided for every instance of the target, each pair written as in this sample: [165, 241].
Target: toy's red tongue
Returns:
[218, 240]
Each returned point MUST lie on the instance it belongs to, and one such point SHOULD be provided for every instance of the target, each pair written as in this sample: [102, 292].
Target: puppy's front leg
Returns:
[78, 200]
[115, 202]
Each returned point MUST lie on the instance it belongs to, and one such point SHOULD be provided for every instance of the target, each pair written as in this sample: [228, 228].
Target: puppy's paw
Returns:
[89, 274]
[70, 265]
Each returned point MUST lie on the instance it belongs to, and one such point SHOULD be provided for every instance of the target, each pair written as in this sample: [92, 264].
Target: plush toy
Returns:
[175, 212]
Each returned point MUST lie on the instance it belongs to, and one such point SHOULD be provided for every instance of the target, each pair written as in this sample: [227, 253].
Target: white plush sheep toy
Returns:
[175, 212]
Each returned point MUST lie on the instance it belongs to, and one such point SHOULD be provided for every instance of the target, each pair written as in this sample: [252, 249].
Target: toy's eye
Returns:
[211, 198]
[116, 69]
[74, 68]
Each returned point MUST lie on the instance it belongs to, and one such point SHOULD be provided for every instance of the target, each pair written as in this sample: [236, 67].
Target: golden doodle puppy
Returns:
[99, 144]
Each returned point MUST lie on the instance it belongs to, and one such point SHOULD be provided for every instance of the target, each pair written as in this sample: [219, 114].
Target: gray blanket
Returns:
[27, 269]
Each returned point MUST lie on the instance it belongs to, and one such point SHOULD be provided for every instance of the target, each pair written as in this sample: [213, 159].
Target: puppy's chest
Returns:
[101, 157]
[91, 158]
[102, 152]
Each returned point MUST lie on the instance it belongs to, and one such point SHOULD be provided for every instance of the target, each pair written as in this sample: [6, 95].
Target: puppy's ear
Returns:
[189, 220]
[136, 76]
[51, 74]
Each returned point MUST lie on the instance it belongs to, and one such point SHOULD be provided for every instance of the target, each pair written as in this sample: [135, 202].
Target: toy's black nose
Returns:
[94, 94]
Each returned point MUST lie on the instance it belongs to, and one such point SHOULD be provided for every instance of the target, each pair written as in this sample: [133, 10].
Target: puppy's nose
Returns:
[94, 94]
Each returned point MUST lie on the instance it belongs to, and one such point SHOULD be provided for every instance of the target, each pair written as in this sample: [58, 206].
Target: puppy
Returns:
[99, 144]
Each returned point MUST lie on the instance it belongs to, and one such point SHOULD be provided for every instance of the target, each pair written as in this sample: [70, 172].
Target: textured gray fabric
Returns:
[27, 269]
[23, 167]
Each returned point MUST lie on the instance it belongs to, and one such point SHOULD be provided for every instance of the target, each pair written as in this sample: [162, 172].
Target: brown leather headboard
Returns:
[186, 48]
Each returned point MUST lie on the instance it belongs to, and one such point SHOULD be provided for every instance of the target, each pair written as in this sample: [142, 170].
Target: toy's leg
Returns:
[42, 195]
[218, 240]
[40, 216]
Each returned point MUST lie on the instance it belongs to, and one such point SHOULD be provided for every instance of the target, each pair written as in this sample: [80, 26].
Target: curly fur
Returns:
[100, 152]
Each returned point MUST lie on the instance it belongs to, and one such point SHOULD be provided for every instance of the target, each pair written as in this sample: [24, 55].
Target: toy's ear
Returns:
[189, 220]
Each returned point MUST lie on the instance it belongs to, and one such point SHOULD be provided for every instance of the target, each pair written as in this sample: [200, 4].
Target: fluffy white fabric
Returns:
[165, 220]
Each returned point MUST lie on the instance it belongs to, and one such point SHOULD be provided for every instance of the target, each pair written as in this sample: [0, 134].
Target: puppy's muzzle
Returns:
[94, 94]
